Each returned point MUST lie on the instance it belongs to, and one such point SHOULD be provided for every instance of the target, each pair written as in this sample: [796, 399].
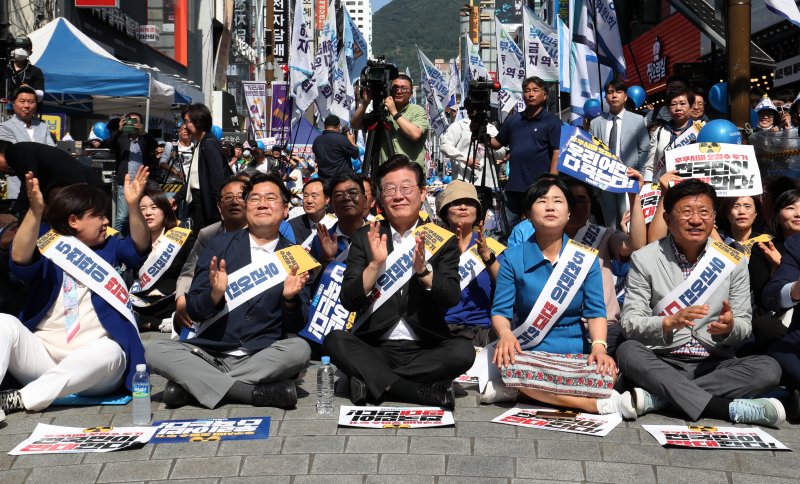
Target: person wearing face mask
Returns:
[22, 72]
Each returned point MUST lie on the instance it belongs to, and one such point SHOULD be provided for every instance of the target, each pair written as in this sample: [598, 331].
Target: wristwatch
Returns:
[490, 260]
[397, 115]
[428, 270]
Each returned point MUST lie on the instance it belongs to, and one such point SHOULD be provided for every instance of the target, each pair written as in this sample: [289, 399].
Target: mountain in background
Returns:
[378, 4]
[430, 24]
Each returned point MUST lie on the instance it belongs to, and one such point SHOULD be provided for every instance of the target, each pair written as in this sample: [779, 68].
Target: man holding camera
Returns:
[333, 150]
[408, 122]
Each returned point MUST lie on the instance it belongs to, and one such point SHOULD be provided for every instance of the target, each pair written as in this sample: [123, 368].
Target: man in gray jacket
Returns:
[687, 308]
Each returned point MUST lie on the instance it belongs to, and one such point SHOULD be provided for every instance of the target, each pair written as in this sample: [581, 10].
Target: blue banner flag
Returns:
[210, 430]
[587, 158]
[327, 313]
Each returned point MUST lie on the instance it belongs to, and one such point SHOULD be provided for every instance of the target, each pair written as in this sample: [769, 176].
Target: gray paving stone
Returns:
[15, 425]
[9, 441]
[477, 480]
[620, 435]
[558, 449]
[125, 419]
[484, 413]
[550, 469]
[190, 481]
[440, 445]
[125, 471]
[367, 431]
[528, 481]
[724, 461]
[308, 427]
[539, 434]
[46, 460]
[484, 429]
[750, 479]
[405, 479]
[271, 445]
[190, 412]
[429, 432]
[320, 444]
[190, 468]
[6, 461]
[274, 465]
[185, 449]
[345, 464]
[785, 465]
[412, 464]
[390, 444]
[683, 475]
[309, 412]
[332, 479]
[634, 454]
[14, 477]
[480, 466]
[49, 475]
[504, 447]
[256, 480]
[617, 472]
[83, 421]
[275, 414]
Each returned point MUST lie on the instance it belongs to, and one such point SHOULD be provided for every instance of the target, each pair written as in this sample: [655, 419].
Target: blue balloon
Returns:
[720, 131]
[637, 95]
[261, 145]
[447, 179]
[100, 130]
[592, 109]
[718, 97]
[216, 131]
[356, 162]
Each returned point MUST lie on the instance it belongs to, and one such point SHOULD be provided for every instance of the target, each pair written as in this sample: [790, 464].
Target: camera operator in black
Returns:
[20, 71]
[334, 150]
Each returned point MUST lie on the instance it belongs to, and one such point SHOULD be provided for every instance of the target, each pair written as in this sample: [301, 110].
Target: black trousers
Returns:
[383, 364]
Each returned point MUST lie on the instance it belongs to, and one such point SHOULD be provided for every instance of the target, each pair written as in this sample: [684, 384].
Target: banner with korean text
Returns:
[559, 421]
[715, 438]
[210, 430]
[54, 439]
[731, 169]
[394, 417]
[587, 158]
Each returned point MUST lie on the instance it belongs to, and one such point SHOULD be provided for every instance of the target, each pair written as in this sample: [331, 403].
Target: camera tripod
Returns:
[483, 155]
[378, 134]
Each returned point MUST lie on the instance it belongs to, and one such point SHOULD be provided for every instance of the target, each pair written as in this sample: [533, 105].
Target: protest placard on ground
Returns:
[211, 430]
[54, 439]
[548, 419]
[399, 417]
[700, 437]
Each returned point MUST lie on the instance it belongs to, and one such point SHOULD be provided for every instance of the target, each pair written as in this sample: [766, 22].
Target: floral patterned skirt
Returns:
[559, 374]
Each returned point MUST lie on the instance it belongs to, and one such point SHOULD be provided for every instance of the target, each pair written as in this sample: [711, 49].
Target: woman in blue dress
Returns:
[569, 367]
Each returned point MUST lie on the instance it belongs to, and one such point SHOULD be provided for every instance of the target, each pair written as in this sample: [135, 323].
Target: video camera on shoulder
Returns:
[478, 104]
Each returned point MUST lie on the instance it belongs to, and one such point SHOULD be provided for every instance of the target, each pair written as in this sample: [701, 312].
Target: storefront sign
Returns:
[119, 20]
[657, 69]
[787, 71]
[148, 33]
[280, 32]
[322, 14]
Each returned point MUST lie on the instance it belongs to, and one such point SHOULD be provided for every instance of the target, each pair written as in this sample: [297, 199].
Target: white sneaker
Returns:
[617, 403]
[498, 392]
[646, 402]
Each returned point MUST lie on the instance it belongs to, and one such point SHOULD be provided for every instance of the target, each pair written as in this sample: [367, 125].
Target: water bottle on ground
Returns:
[141, 396]
[325, 387]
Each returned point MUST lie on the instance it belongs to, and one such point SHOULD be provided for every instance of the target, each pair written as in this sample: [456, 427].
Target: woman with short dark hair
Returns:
[679, 102]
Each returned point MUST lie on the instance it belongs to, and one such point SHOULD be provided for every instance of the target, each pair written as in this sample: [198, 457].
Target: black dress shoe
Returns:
[358, 391]
[793, 407]
[440, 394]
[282, 394]
[176, 396]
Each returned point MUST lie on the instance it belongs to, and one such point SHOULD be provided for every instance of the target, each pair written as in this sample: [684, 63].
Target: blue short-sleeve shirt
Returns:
[532, 142]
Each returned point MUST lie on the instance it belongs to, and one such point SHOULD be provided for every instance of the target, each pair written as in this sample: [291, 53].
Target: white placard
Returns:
[394, 417]
[584, 423]
[731, 169]
[725, 438]
[53, 439]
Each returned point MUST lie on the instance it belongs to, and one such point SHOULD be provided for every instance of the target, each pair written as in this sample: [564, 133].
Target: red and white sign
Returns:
[97, 3]
[322, 14]
[52, 439]
[550, 419]
[394, 417]
[716, 438]
[148, 33]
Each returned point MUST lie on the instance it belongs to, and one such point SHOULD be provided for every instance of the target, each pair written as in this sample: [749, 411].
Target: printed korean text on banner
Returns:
[210, 430]
[356, 47]
[324, 64]
[453, 85]
[550, 419]
[159, 260]
[715, 438]
[470, 265]
[54, 439]
[88, 268]
[730, 168]
[710, 272]
[586, 158]
[436, 93]
[476, 67]
[255, 100]
[327, 313]
[280, 31]
[540, 47]
[594, 24]
[649, 194]
[394, 417]
[281, 111]
[301, 58]
[511, 70]
[343, 100]
[564, 55]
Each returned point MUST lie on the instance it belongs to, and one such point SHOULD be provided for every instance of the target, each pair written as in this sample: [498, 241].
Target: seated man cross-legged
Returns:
[245, 354]
[403, 349]
[686, 311]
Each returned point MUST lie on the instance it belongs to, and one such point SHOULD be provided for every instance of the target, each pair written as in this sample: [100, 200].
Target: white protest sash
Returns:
[712, 269]
[688, 136]
[257, 277]
[157, 263]
[88, 268]
[470, 265]
[398, 268]
[561, 287]
[591, 235]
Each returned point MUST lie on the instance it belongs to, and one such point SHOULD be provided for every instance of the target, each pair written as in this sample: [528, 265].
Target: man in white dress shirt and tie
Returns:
[626, 135]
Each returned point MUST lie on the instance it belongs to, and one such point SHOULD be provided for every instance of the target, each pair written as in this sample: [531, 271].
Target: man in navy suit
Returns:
[244, 355]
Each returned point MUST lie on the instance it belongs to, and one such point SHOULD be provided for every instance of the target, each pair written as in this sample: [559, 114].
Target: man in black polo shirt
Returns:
[533, 136]
[334, 151]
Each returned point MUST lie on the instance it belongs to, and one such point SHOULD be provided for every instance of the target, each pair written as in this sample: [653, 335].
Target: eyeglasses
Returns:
[400, 89]
[391, 190]
[229, 198]
[267, 198]
[349, 195]
[687, 214]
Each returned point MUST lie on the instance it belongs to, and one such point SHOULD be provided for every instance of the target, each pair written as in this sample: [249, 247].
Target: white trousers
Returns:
[96, 368]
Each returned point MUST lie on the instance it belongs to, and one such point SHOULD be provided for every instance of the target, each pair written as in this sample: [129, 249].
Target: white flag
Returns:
[343, 99]
[603, 38]
[453, 84]
[510, 69]
[476, 67]
[540, 47]
[324, 63]
[436, 94]
[301, 60]
[786, 9]
[564, 44]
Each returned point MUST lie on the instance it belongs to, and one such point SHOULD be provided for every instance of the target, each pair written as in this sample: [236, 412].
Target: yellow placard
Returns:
[496, 247]
[583, 247]
[296, 256]
[178, 235]
[110, 232]
[46, 240]
[435, 236]
[53, 125]
[732, 254]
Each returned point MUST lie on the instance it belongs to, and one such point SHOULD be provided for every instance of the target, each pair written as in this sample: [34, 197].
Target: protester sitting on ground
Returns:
[154, 289]
[73, 335]
[529, 286]
[243, 354]
[683, 326]
[315, 200]
[403, 349]
[665, 137]
[347, 201]
[460, 210]
[613, 245]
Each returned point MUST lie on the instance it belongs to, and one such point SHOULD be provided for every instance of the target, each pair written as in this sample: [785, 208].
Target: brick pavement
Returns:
[304, 448]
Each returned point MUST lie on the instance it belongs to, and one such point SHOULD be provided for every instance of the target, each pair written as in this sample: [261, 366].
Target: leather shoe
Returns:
[358, 391]
[282, 394]
[793, 407]
[175, 395]
[440, 394]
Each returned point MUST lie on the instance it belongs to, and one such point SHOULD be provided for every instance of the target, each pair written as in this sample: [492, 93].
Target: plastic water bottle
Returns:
[325, 387]
[141, 396]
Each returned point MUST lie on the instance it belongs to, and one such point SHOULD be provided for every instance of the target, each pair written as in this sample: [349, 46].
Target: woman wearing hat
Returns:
[768, 115]
[461, 212]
